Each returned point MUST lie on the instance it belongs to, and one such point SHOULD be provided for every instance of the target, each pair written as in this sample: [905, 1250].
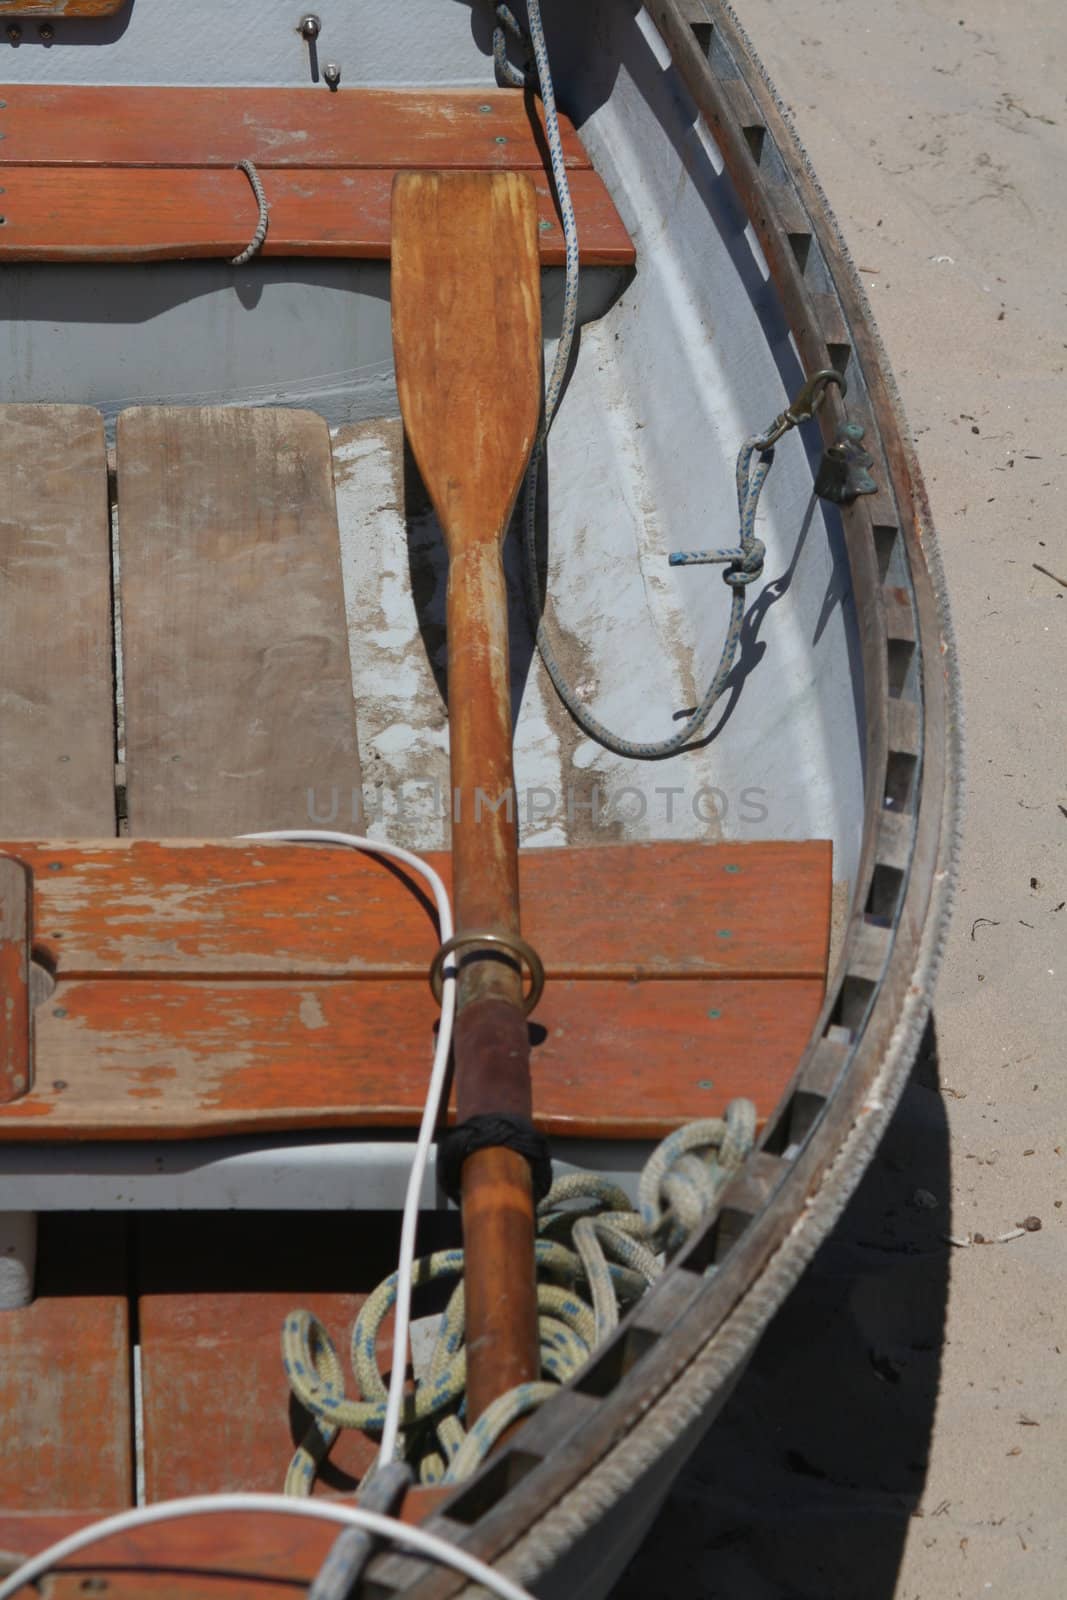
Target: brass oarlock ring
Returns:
[524, 954]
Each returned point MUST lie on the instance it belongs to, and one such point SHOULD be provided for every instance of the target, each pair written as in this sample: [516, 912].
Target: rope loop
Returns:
[256, 243]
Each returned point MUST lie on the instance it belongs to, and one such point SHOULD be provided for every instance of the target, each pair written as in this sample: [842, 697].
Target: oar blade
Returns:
[466, 312]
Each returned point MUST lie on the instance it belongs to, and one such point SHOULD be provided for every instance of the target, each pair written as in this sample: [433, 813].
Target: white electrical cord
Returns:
[438, 1073]
[413, 1538]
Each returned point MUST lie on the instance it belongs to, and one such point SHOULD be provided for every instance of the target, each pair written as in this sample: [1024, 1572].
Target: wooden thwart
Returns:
[144, 1058]
[235, 643]
[149, 174]
[163, 909]
[129, 214]
[208, 989]
[157, 126]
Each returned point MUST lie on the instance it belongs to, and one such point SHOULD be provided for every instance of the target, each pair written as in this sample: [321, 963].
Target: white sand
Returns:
[874, 1450]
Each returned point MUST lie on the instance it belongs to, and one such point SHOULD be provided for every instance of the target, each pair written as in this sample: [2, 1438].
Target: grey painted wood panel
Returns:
[237, 679]
[57, 742]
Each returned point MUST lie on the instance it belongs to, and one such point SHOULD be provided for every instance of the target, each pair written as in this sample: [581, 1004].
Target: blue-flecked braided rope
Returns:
[744, 562]
[592, 1247]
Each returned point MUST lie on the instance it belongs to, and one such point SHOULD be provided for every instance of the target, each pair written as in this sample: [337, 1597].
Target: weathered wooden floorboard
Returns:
[217, 1410]
[236, 667]
[66, 1439]
[57, 740]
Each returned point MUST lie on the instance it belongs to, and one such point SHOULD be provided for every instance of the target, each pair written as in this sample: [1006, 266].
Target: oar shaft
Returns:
[500, 1288]
[485, 865]
[492, 1046]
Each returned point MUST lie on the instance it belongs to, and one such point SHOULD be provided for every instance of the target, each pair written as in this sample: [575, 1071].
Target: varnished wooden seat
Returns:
[146, 174]
[220, 989]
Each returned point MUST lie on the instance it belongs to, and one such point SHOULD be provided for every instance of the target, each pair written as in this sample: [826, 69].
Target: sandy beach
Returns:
[902, 1430]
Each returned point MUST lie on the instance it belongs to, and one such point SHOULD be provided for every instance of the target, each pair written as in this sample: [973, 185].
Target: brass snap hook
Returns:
[807, 402]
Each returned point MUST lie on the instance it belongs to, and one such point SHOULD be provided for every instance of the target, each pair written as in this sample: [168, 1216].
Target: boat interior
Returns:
[223, 612]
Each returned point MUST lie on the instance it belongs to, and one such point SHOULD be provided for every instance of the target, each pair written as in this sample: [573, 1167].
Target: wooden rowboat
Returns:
[277, 291]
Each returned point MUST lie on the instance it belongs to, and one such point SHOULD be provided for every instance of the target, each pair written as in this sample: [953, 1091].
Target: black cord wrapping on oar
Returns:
[492, 1132]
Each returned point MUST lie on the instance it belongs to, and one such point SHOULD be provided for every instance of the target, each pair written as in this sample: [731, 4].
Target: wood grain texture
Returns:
[247, 1556]
[218, 1415]
[237, 676]
[120, 126]
[58, 213]
[132, 1059]
[61, 8]
[57, 741]
[624, 911]
[64, 1376]
[16, 1010]
[225, 988]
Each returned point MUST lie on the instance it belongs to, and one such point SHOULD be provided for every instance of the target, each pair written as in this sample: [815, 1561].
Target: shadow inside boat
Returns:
[808, 1483]
[428, 571]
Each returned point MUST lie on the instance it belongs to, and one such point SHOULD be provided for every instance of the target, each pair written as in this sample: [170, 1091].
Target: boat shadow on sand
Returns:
[809, 1481]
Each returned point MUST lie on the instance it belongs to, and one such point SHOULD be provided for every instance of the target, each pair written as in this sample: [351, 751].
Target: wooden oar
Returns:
[466, 309]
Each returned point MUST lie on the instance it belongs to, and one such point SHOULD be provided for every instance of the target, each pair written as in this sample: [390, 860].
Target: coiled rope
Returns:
[595, 1256]
[744, 562]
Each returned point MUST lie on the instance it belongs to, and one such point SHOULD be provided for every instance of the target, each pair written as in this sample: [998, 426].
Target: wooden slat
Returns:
[115, 126]
[620, 911]
[237, 676]
[65, 1443]
[244, 1556]
[61, 8]
[214, 1292]
[16, 1012]
[118, 214]
[57, 743]
[119, 1058]
[217, 1409]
